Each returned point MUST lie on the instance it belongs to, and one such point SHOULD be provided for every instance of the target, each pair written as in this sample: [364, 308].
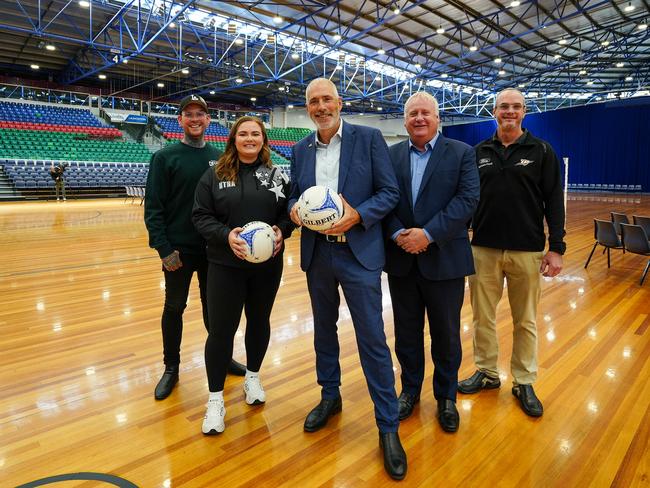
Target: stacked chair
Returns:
[618, 233]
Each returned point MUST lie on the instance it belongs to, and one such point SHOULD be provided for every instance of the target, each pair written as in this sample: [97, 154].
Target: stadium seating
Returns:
[31, 131]
[217, 134]
[33, 174]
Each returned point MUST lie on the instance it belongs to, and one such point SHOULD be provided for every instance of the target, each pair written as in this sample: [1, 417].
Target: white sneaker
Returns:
[213, 421]
[254, 392]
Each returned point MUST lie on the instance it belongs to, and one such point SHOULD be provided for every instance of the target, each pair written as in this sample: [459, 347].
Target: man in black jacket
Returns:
[520, 187]
[56, 172]
[174, 172]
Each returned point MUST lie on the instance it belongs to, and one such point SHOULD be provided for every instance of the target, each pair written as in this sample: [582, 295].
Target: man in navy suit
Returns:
[428, 253]
[353, 161]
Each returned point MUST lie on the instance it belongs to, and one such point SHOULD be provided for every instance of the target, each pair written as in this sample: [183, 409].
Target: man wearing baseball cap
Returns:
[174, 172]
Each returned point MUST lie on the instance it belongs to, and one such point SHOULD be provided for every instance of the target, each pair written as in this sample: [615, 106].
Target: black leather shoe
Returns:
[477, 382]
[166, 383]
[394, 455]
[528, 400]
[448, 415]
[236, 369]
[406, 403]
[318, 417]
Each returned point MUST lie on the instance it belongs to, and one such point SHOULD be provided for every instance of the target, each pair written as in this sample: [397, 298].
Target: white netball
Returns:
[260, 240]
[319, 208]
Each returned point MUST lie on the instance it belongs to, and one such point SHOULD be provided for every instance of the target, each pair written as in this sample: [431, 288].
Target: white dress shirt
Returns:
[328, 157]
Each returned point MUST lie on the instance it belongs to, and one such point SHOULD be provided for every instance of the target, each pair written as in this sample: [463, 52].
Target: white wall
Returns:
[392, 129]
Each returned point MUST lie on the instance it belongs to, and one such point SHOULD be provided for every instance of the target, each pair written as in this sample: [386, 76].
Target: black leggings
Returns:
[230, 291]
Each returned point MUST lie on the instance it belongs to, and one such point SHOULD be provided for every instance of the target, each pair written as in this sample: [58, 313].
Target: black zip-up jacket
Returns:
[520, 186]
[260, 193]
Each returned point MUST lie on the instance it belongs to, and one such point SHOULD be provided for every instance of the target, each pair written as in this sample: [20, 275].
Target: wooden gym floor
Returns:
[81, 353]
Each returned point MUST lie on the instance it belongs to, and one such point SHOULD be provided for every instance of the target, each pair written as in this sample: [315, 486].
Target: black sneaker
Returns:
[477, 382]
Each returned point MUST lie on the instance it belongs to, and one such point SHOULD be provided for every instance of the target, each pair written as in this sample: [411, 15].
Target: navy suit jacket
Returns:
[366, 180]
[446, 201]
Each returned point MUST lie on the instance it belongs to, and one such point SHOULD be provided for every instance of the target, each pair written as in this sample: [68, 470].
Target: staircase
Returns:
[7, 191]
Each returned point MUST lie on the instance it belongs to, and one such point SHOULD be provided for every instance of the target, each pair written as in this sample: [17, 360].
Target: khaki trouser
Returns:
[521, 272]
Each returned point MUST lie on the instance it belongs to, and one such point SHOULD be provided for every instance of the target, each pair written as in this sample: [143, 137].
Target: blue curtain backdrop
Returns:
[607, 143]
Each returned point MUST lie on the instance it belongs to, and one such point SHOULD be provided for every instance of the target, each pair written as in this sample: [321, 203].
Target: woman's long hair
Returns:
[227, 167]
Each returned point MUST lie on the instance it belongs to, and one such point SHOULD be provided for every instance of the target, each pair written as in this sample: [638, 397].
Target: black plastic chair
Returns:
[644, 222]
[605, 235]
[618, 219]
[636, 241]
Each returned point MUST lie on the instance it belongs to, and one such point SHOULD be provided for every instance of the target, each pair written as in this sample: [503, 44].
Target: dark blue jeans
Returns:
[177, 288]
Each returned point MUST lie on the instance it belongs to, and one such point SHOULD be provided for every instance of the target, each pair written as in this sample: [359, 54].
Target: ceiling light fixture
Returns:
[497, 60]
[444, 75]
[102, 76]
[473, 48]
[620, 65]
[277, 19]
[185, 71]
[84, 4]
[440, 30]
[289, 106]
[418, 66]
[381, 51]
[212, 92]
[295, 55]
[628, 78]
[337, 37]
[50, 47]
[604, 43]
[643, 25]
[238, 80]
[34, 66]
[239, 41]
[629, 7]
[502, 72]
[160, 85]
[562, 42]
[582, 72]
[521, 85]
[590, 83]
[253, 99]
[515, 3]
[557, 56]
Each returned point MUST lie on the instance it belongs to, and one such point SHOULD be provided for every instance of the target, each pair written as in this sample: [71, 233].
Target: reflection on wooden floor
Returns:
[81, 352]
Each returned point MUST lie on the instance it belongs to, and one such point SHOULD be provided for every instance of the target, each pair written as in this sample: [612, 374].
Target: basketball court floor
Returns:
[80, 354]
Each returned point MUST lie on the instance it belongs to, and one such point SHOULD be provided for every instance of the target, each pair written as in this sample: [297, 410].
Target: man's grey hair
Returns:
[424, 96]
[318, 81]
[514, 90]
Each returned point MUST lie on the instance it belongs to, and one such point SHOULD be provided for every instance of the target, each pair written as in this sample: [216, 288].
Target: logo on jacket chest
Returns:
[524, 162]
[212, 162]
[226, 184]
[483, 162]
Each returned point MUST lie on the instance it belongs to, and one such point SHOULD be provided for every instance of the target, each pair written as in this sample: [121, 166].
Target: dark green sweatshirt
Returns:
[174, 172]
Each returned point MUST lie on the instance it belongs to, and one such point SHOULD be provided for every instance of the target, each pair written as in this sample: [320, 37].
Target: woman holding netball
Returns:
[242, 187]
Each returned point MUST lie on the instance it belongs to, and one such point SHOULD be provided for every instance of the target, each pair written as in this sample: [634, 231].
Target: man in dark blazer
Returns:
[353, 161]
[428, 253]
